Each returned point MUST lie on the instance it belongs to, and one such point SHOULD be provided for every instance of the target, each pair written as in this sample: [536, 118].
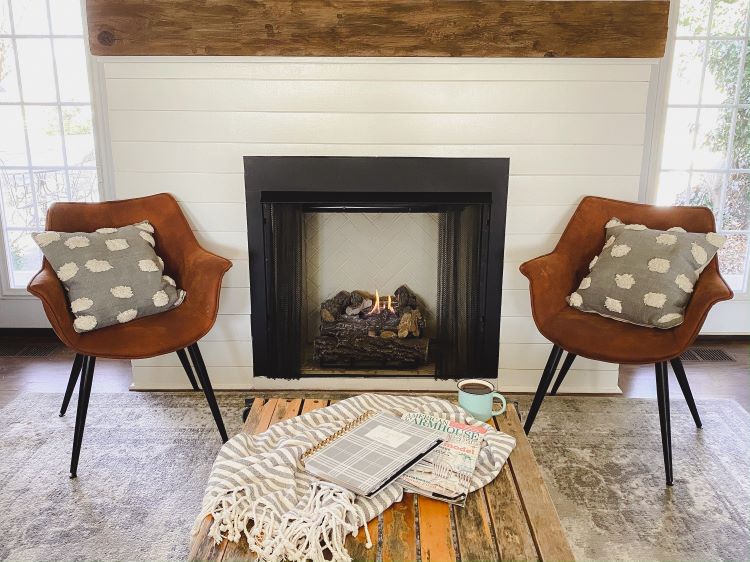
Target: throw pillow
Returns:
[645, 276]
[112, 276]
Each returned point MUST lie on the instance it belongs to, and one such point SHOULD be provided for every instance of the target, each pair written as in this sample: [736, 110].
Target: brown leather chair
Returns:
[554, 276]
[196, 270]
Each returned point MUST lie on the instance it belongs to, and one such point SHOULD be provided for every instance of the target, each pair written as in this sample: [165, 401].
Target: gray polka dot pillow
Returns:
[645, 276]
[112, 276]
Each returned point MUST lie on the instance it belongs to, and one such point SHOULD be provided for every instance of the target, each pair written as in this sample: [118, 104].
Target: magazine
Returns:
[445, 473]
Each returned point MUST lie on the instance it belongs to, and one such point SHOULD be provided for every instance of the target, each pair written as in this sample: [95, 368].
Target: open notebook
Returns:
[370, 452]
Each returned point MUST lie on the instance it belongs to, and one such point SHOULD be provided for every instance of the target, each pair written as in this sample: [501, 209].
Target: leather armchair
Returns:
[554, 276]
[178, 330]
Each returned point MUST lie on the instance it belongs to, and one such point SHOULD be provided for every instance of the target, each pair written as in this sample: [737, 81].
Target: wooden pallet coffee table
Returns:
[512, 518]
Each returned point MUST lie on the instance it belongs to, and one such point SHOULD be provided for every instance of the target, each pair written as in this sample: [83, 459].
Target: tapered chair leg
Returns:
[84, 392]
[662, 397]
[74, 372]
[200, 369]
[188, 369]
[569, 358]
[547, 374]
[679, 373]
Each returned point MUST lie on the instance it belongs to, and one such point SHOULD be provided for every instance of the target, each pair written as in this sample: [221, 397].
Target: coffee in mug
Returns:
[476, 396]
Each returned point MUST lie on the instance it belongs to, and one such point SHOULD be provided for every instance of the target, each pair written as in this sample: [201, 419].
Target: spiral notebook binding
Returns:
[359, 420]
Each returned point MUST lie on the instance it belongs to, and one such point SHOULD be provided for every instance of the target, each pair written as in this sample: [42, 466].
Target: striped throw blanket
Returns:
[258, 486]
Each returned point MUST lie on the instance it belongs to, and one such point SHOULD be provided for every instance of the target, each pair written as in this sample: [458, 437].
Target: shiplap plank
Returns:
[512, 277]
[216, 216]
[516, 303]
[234, 300]
[524, 159]
[230, 327]
[236, 95]
[197, 187]
[442, 128]
[534, 356]
[577, 380]
[364, 69]
[215, 354]
[231, 245]
[238, 275]
[520, 329]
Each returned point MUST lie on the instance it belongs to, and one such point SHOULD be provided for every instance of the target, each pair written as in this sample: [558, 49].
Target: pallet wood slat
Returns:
[435, 534]
[399, 531]
[476, 28]
[549, 536]
[473, 528]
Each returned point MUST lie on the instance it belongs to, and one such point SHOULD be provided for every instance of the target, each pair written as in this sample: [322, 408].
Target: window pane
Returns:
[79, 136]
[711, 138]
[24, 257]
[30, 17]
[8, 77]
[679, 132]
[4, 18]
[18, 199]
[66, 17]
[43, 126]
[37, 74]
[71, 70]
[741, 151]
[722, 70]
[729, 17]
[733, 260]
[745, 91]
[737, 203]
[12, 139]
[703, 190]
[84, 186]
[693, 18]
[50, 187]
[687, 66]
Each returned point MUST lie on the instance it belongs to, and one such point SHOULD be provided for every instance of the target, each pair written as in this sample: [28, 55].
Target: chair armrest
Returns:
[550, 280]
[201, 274]
[47, 287]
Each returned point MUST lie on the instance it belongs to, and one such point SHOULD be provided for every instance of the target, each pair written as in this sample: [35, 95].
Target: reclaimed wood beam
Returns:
[391, 28]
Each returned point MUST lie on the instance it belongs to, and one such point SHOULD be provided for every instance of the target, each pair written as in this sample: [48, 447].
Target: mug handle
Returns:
[502, 399]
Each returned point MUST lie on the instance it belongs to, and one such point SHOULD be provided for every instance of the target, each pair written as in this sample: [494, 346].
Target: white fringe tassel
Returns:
[302, 534]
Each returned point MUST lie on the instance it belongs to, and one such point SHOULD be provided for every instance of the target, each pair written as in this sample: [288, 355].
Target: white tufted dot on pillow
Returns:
[107, 230]
[592, 263]
[122, 292]
[613, 304]
[624, 280]
[160, 262]
[676, 229]
[77, 242]
[147, 237]
[127, 315]
[658, 265]
[98, 266]
[669, 317]
[145, 226]
[609, 242]
[655, 300]
[85, 323]
[81, 304]
[635, 227]
[67, 271]
[716, 240]
[181, 294]
[699, 253]
[575, 300]
[147, 265]
[613, 222]
[117, 244]
[684, 283]
[160, 298]
[169, 280]
[620, 250]
[46, 238]
[666, 239]
[585, 283]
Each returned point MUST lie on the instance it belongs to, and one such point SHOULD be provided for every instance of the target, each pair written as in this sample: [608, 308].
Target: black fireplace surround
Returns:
[470, 196]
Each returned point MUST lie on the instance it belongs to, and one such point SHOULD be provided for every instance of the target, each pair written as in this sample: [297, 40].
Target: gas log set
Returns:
[359, 329]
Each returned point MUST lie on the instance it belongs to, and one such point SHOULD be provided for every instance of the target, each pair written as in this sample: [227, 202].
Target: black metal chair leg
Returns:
[547, 374]
[662, 397]
[74, 372]
[188, 369]
[200, 369]
[569, 358]
[679, 373]
[84, 392]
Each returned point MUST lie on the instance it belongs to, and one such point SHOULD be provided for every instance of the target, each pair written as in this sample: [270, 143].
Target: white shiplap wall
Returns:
[569, 127]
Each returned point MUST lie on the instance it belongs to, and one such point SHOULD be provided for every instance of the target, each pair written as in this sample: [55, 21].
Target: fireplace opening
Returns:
[401, 280]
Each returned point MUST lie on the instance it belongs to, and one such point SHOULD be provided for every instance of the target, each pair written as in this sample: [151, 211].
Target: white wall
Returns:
[569, 127]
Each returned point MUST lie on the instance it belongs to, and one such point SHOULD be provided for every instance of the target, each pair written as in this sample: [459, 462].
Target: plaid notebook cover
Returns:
[368, 456]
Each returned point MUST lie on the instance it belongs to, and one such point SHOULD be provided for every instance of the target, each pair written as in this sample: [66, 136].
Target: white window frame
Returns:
[102, 145]
[660, 107]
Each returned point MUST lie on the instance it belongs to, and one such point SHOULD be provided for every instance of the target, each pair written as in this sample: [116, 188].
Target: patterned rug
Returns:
[146, 457]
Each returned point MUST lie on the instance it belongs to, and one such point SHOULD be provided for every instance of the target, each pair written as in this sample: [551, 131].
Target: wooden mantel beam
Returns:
[392, 28]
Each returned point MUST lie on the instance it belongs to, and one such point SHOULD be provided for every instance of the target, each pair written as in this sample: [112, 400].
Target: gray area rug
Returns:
[146, 458]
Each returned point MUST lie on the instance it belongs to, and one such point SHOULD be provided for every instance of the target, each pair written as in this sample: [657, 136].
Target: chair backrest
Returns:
[174, 237]
[584, 236]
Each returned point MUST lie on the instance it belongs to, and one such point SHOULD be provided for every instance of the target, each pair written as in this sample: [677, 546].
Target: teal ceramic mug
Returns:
[476, 396]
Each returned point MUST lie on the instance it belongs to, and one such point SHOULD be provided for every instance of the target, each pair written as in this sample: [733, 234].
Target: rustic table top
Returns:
[512, 518]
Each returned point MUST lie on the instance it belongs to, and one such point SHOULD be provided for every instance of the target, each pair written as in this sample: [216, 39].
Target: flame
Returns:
[389, 306]
[375, 305]
[378, 307]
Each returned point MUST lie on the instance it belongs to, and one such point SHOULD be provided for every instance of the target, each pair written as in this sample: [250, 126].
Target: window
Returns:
[706, 147]
[46, 134]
